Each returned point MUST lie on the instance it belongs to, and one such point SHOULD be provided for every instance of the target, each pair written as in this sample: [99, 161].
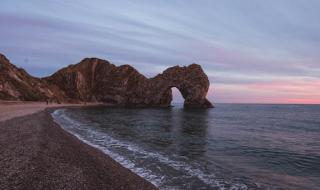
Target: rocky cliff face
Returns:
[17, 84]
[96, 80]
[191, 81]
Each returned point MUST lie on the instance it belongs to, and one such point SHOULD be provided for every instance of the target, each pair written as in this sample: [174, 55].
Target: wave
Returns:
[99, 139]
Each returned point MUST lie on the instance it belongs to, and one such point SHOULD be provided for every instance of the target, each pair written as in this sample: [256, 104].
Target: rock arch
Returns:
[191, 81]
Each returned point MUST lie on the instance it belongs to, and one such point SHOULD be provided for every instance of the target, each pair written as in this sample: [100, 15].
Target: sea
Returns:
[230, 147]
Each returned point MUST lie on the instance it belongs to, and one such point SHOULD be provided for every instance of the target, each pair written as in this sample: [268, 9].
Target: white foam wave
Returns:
[105, 142]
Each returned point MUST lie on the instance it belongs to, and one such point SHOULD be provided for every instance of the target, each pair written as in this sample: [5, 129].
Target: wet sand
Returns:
[11, 109]
[35, 153]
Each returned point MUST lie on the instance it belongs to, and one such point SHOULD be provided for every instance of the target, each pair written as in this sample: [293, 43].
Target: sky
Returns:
[252, 51]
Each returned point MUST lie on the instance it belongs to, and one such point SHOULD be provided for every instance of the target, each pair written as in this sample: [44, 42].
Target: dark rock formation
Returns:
[96, 80]
[17, 84]
[191, 81]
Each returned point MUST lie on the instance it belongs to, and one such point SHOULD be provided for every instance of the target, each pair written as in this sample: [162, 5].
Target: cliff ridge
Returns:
[97, 80]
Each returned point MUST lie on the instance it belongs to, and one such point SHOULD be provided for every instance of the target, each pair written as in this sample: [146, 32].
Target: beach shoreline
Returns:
[36, 153]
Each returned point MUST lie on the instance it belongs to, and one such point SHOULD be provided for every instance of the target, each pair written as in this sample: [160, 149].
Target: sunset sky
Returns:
[253, 51]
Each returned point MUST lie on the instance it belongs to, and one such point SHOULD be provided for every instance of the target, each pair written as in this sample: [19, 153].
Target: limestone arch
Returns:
[191, 81]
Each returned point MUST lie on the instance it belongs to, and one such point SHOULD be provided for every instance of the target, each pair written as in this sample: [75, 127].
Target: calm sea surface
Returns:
[234, 146]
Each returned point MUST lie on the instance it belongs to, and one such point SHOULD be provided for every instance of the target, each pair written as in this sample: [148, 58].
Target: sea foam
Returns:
[104, 142]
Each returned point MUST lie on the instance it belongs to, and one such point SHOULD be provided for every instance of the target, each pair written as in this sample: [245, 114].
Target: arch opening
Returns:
[177, 98]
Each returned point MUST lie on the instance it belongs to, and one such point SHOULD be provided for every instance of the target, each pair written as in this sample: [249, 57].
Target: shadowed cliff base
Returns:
[97, 80]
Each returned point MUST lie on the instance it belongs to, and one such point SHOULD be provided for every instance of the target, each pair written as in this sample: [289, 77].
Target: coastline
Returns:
[36, 153]
[12, 109]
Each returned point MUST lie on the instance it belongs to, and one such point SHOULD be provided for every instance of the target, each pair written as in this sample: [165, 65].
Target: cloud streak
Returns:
[251, 50]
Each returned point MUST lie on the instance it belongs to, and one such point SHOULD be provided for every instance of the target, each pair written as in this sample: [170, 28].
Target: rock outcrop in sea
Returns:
[97, 80]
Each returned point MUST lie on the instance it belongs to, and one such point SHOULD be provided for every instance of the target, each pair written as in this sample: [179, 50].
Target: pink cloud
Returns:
[288, 86]
[303, 100]
[286, 92]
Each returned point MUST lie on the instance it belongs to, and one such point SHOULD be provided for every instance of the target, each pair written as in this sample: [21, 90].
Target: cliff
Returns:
[17, 84]
[97, 80]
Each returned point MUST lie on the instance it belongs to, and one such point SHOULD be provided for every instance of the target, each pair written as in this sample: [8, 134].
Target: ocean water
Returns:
[233, 146]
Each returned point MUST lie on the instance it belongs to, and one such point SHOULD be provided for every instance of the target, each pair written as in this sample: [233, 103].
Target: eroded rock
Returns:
[17, 84]
[97, 80]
